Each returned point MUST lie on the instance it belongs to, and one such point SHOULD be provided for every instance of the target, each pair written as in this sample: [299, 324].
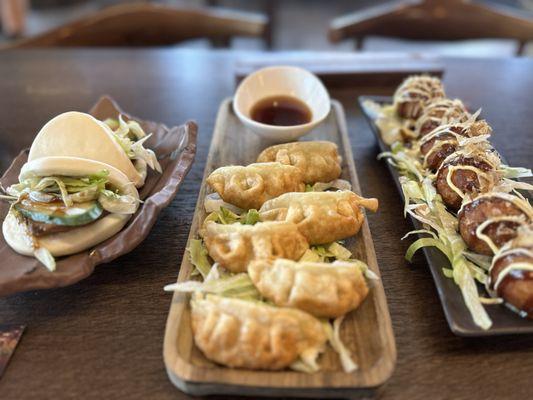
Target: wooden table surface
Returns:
[103, 338]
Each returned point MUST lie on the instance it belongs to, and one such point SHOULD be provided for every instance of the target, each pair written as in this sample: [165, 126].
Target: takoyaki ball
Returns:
[441, 112]
[415, 93]
[476, 128]
[514, 285]
[437, 149]
[467, 181]
[506, 217]
[443, 141]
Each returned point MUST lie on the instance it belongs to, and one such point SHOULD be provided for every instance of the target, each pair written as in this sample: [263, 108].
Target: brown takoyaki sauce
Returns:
[439, 113]
[480, 210]
[517, 287]
[465, 180]
[435, 159]
[415, 93]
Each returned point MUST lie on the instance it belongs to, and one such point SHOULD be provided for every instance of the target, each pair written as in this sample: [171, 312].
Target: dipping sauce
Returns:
[281, 111]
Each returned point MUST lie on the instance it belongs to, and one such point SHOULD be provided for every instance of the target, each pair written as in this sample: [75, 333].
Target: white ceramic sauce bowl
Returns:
[281, 81]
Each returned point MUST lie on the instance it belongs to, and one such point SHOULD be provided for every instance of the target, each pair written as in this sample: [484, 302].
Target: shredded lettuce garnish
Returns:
[72, 190]
[337, 184]
[198, 257]
[424, 204]
[339, 252]
[327, 253]
[312, 256]
[213, 202]
[45, 257]
[515, 172]
[61, 187]
[221, 283]
[479, 259]
[432, 212]
[131, 137]
[117, 204]
[333, 333]
[307, 362]
[225, 216]
[251, 217]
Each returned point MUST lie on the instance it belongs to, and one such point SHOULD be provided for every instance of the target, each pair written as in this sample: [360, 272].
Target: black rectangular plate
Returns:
[504, 321]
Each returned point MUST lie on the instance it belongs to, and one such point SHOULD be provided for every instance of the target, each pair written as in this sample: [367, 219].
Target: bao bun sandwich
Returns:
[114, 142]
[64, 205]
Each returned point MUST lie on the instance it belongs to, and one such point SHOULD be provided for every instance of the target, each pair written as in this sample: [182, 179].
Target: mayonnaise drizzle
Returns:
[453, 168]
[519, 266]
[436, 147]
[520, 219]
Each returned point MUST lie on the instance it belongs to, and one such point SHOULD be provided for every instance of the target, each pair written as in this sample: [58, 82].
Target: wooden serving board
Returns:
[367, 331]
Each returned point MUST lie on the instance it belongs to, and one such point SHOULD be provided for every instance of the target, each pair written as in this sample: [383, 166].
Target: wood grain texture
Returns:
[432, 20]
[148, 24]
[102, 338]
[366, 332]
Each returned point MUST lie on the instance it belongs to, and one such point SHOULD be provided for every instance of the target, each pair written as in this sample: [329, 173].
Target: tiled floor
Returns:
[299, 25]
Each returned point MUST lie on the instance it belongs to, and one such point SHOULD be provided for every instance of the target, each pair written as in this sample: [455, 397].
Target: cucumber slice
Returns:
[58, 214]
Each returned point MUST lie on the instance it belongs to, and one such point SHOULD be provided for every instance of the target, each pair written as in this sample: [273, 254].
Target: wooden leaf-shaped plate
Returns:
[175, 148]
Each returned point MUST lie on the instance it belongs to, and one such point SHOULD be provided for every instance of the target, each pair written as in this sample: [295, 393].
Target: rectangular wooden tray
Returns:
[367, 331]
[504, 321]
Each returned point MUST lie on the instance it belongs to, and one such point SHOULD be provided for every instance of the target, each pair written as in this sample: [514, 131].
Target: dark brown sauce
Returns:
[281, 111]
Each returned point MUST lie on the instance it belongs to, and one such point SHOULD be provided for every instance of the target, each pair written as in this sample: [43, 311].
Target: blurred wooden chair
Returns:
[149, 24]
[269, 8]
[13, 16]
[432, 20]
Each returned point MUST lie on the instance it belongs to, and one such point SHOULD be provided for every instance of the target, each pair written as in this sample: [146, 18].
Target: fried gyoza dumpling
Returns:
[244, 334]
[319, 161]
[322, 217]
[322, 289]
[250, 186]
[234, 246]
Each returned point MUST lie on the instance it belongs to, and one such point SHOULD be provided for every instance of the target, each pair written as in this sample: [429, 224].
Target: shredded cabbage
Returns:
[429, 209]
[307, 362]
[333, 334]
[225, 216]
[479, 259]
[238, 285]
[117, 204]
[251, 217]
[311, 256]
[45, 257]
[301, 366]
[76, 190]
[327, 253]
[339, 252]
[515, 172]
[131, 138]
[338, 184]
[70, 190]
[213, 203]
[198, 257]
[367, 272]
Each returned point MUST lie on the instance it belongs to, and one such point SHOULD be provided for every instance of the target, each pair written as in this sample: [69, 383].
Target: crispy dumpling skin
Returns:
[244, 334]
[322, 217]
[234, 246]
[318, 161]
[249, 187]
[323, 290]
